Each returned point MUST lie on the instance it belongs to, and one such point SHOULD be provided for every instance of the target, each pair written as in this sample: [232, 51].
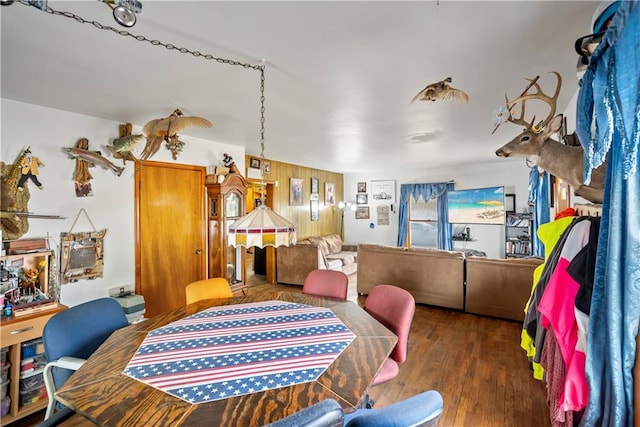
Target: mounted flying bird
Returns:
[441, 91]
[166, 129]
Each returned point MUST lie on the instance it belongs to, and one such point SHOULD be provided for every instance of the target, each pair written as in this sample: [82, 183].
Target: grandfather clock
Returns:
[226, 203]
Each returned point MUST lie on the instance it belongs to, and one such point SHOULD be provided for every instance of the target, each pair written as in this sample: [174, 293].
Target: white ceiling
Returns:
[339, 75]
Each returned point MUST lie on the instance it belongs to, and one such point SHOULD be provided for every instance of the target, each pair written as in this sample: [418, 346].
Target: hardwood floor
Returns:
[475, 362]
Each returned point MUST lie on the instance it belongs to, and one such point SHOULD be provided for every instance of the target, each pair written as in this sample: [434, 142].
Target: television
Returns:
[477, 206]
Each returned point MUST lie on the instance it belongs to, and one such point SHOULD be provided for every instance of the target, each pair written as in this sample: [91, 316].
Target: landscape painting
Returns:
[477, 206]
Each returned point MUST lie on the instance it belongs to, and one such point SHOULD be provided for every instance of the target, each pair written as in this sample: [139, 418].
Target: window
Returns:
[423, 223]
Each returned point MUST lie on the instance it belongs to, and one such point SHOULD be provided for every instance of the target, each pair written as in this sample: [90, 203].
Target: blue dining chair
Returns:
[71, 336]
[422, 410]
[326, 413]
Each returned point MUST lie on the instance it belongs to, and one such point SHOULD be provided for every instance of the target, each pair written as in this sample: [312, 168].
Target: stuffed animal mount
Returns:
[536, 145]
[166, 129]
[228, 167]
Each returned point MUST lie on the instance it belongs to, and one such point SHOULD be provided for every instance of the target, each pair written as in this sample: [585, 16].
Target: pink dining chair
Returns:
[394, 307]
[326, 283]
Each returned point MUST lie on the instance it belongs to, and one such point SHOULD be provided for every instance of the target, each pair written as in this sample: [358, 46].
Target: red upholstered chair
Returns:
[326, 283]
[394, 307]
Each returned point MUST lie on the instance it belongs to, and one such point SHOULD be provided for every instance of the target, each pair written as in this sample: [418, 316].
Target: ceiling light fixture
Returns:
[124, 11]
[262, 227]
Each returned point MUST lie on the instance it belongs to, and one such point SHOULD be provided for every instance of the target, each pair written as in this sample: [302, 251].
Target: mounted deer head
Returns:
[536, 145]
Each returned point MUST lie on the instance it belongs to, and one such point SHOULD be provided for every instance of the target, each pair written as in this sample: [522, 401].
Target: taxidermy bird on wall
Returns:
[441, 91]
[166, 129]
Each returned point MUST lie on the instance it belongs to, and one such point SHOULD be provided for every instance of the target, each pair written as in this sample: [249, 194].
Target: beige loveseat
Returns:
[491, 287]
[294, 263]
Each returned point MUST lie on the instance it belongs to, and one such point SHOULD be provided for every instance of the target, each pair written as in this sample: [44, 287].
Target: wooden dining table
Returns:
[102, 392]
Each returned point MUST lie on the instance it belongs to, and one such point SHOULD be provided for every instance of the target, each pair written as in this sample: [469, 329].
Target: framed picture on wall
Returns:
[254, 163]
[315, 210]
[510, 203]
[329, 194]
[362, 199]
[315, 185]
[295, 192]
[362, 187]
[383, 191]
[362, 212]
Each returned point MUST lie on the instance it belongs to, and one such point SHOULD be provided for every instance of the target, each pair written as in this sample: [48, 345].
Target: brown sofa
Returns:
[294, 263]
[491, 287]
[499, 287]
[433, 277]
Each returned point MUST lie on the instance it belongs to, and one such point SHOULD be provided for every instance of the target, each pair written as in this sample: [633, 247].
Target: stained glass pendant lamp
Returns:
[262, 227]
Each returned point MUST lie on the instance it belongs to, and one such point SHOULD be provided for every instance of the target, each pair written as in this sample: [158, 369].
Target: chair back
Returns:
[326, 413]
[80, 330]
[326, 283]
[216, 287]
[422, 410]
[394, 307]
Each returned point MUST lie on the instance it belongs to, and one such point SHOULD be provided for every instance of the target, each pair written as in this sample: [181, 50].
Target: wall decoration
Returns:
[362, 199]
[510, 203]
[254, 163]
[81, 253]
[82, 177]
[315, 210]
[383, 191]
[362, 212]
[362, 187]
[329, 194]
[315, 186]
[382, 214]
[266, 167]
[477, 206]
[295, 192]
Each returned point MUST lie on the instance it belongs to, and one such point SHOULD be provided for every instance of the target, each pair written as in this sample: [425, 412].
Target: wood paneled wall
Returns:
[330, 216]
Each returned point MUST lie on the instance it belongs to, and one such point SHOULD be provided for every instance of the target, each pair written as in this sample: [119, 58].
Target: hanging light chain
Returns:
[262, 111]
[141, 38]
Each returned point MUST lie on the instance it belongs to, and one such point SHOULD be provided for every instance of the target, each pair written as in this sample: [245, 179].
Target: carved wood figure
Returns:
[536, 145]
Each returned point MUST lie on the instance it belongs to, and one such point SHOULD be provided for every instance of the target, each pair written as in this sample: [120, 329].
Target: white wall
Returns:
[48, 131]
[512, 174]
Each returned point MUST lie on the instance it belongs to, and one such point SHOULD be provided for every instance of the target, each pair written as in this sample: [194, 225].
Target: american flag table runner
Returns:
[239, 349]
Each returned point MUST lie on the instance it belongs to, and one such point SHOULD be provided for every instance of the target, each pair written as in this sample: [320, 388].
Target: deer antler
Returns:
[539, 94]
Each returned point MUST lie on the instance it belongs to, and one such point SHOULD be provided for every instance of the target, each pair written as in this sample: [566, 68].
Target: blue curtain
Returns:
[427, 191]
[539, 196]
[608, 125]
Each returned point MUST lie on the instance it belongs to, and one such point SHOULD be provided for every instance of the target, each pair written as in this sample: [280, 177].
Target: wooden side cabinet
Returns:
[226, 203]
[14, 332]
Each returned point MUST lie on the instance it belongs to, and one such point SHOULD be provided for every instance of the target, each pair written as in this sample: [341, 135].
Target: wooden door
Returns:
[170, 232]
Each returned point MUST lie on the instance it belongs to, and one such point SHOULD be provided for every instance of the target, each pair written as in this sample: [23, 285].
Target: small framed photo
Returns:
[315, 185]
[362, 187]
[362, 199]
[362, 212]
[266, 167]
[254, 163]
[295, 192]
[510, 203]
[329, 194]
[315, 210]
